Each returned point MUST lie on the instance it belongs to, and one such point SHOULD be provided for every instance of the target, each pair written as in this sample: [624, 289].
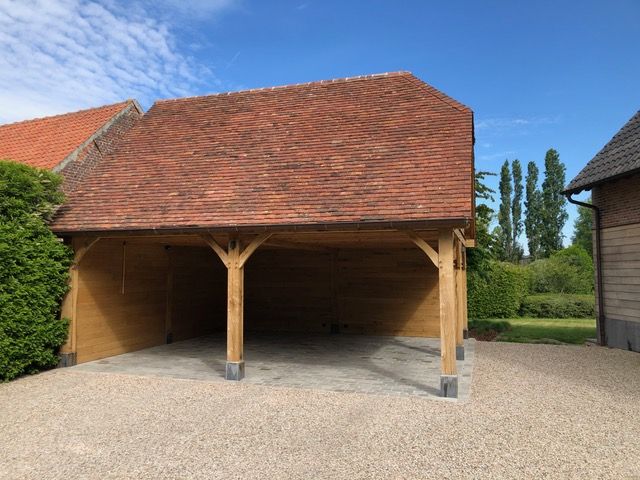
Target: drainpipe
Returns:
[596, 210]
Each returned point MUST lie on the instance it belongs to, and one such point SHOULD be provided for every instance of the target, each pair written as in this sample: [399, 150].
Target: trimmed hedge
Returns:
[33, 277]
[496, 291]
[558, 306]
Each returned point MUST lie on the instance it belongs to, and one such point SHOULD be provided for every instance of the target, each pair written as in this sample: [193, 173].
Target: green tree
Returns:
[504, 234]
[33, 277]
[554, 212]
[582, 229]
[516, 211]
[533, 214]
[478, 256]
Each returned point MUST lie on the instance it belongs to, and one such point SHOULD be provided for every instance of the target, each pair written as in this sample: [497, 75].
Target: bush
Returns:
[487, 330]
[496, 291]
[558, 306]
[33, 278]
[567, 271]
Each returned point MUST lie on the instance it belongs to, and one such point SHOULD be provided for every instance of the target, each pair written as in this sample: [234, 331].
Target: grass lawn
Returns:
[549, 330]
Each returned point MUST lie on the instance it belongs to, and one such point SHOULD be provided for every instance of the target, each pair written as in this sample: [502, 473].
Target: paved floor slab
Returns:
[350, 363]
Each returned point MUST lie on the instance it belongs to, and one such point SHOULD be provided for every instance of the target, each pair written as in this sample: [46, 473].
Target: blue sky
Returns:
[561, 74]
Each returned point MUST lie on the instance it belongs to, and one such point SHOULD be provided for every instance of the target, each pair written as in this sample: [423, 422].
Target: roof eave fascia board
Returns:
[461, 222]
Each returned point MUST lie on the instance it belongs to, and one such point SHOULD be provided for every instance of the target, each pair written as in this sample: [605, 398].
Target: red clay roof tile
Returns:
[45, 142]
[382, 148]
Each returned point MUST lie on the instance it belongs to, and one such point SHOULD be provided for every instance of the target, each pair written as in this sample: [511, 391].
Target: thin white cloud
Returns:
[499, 155]
[64, 55]
[506, 123]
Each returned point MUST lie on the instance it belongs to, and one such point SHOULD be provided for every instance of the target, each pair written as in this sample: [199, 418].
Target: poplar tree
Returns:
[554, 203]
[516, 211]
[533, 214]
[505, 231]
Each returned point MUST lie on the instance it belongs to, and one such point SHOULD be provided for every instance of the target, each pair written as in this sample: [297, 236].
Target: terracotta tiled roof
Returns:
[619, 157]
[45, 142]
[381, 148]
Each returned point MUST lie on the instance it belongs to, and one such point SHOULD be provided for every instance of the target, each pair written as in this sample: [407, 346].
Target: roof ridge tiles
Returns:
[398, 73]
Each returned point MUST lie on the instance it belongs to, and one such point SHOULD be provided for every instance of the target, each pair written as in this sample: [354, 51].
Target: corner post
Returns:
[465, 306]
[449, 373]
[235, 312]
[459, 301]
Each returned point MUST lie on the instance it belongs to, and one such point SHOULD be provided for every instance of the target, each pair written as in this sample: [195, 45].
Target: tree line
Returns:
[539, 211]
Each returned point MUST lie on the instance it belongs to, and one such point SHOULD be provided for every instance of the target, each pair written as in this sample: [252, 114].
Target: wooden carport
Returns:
[444, 248]
[358, 170]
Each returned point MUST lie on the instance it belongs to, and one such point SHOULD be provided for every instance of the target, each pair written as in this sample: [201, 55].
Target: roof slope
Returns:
[619, 157]
[364, 149]
[45, 142]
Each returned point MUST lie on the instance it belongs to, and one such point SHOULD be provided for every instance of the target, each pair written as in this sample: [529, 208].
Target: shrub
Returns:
[567, 271]
[33, 278]
[496, 291]
[487, 330]
[558, 306]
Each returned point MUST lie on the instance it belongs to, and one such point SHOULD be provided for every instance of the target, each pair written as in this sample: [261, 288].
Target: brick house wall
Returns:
[619, 201]
[75, 167]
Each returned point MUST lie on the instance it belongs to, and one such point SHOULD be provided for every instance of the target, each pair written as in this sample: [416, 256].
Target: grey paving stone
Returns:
[350, 363]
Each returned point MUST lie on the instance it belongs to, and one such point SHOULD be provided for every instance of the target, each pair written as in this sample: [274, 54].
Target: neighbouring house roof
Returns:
[619, 157]
[373, 149]
[46, 142]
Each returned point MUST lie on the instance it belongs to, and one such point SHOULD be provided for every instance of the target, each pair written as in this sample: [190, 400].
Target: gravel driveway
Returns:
[535, 411]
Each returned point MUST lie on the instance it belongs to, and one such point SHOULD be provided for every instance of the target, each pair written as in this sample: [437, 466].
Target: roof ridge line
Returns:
[37, 119]
[434, 92]
[397, 73]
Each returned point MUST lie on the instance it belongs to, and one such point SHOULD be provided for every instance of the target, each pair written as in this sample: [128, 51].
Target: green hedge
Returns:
[33, 277]
[558, 306]
[567, 271]
[496, 291]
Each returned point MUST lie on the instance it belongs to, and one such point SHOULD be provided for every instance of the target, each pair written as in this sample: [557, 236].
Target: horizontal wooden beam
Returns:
[424, 246]
[275, 242]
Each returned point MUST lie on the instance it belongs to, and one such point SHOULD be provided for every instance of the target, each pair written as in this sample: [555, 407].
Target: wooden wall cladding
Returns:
[377, 292]
[199, 292]
[121, 304]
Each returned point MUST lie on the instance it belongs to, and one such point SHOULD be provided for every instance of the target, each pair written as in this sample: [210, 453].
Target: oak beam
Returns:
[252, 247]
[235, 258]
[449, 373]
[68, 310]
[215, 246]
[459, 301]
[465, 306]
[235, 313]
[424, 246]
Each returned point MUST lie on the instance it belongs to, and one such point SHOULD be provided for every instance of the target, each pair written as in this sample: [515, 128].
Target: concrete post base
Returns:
[234, 371]
[67, 360]
[459, 352]
[449, 386]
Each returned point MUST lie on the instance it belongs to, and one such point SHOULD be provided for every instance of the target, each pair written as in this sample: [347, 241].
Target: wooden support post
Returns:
[449, 377]
[168, 318]
[235, 258]
[68, 310]
[235, 313]
[465, 311]
[459, 301]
